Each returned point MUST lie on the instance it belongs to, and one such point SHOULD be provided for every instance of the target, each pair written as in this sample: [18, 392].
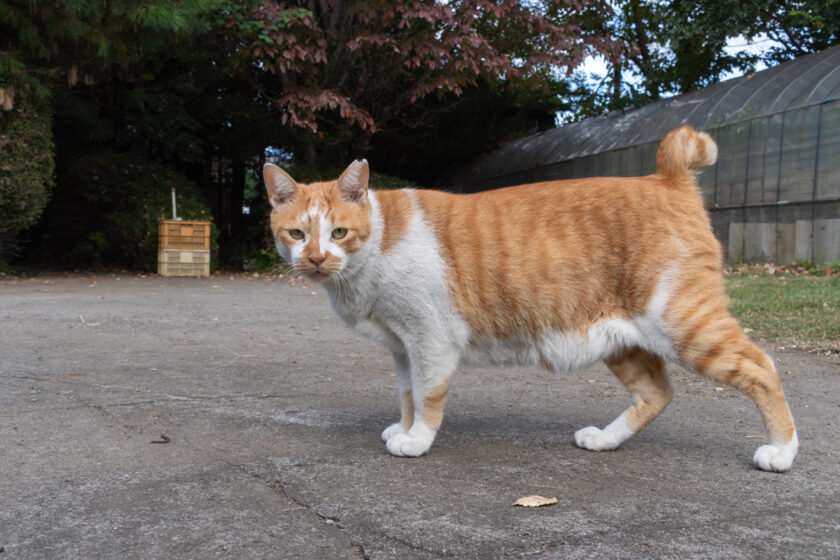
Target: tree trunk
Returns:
[237, 195]
[644, 51]
[310, 153]
[616, 82]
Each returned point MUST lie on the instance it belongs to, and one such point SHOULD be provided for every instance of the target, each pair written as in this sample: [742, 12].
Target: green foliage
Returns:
[61, 44]
[157, 119]
[798, 26]
[817, 269]
[264, 259]
[696, 34]
[121, 76]
[116, 31]
[107, 208]
[101, 63]
[26, 166]
[679, 46]
[385, 182]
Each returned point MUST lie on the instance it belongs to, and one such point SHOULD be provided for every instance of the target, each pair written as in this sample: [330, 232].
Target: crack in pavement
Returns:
[413, 546]
[277, 486]
[162, 400]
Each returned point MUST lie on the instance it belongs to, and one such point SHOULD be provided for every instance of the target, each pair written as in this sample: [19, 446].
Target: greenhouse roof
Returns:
[808, 80]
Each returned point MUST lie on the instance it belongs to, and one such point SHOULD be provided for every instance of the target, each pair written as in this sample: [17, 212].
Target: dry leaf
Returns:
[86, 324]
[534, 501]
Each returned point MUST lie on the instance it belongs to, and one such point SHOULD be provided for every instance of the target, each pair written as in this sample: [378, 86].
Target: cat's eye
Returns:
[339, 232]
[296, 234]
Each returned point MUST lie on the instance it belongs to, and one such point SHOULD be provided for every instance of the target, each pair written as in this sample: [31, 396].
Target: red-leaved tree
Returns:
[354, 66]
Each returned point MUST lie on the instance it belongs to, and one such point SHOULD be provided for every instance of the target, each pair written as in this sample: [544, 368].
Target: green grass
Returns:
[792, 310]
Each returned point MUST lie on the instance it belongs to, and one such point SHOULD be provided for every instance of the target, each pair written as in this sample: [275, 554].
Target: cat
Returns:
[559, 274]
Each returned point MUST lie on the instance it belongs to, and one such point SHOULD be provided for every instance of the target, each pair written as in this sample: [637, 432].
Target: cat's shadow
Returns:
[476, 434]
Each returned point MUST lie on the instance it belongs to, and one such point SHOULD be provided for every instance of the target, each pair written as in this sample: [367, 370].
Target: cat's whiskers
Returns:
[337, 283]
[348, 284]
[298, 277]
[286, 269]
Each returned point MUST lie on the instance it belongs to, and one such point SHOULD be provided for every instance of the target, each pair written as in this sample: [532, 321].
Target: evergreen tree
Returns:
[91, 69]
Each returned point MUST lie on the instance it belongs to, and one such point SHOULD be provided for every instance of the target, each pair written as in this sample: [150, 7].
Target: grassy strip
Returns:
[793, 310]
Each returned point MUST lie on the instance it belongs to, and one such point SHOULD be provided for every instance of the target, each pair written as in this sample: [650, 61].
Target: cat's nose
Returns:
[317, 259]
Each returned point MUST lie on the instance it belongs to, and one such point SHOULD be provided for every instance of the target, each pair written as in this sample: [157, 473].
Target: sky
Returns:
[597, 66]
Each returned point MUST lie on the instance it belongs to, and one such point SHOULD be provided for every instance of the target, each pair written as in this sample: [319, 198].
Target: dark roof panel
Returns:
[808, 80]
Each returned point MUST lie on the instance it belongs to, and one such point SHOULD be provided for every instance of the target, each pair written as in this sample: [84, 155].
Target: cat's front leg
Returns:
[403, 369]
[431, 373]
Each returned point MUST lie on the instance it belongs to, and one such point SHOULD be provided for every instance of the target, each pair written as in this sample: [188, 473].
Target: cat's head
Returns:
[319, 227]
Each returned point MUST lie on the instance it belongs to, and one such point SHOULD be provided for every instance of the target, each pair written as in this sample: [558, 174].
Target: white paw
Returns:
[391, 431]
[405, 445]
[596, 439]
[777, 457]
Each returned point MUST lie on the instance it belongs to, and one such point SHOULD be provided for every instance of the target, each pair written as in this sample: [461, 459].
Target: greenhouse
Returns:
[774, 194]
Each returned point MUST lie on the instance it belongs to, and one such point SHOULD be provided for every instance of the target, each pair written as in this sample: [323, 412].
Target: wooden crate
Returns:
[183, 262]
[184, 234]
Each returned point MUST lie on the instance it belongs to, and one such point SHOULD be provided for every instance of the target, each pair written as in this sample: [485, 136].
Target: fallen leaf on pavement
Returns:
[534, 501]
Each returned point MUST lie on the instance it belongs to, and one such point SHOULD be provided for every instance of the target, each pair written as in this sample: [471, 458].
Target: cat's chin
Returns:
[317, 276]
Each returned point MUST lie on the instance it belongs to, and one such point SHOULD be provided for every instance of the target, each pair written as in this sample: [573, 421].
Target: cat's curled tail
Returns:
[684, 151]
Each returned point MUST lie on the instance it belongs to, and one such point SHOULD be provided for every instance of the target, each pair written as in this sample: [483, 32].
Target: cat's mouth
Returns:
[317, 274]
[320, 275]
[318, 270]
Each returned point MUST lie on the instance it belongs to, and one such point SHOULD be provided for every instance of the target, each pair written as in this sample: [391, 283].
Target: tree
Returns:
[47, 44]
[91, 70]
[346, 69]
[797, 27]
[679, 46]
[26, 167]
[62, 63]
[459, 128]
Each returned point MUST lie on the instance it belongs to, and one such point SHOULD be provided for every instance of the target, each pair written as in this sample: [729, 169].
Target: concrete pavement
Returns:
[273, 410]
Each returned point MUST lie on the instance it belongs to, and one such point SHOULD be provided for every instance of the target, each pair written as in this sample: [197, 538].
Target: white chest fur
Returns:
[400, 298]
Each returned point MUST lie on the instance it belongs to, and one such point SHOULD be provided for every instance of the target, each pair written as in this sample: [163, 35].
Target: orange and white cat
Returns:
[559, 275]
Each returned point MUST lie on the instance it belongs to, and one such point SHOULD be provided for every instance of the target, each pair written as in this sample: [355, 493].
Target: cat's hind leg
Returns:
[430, 376]
[718, 349]
[403, 370]
[644, 376]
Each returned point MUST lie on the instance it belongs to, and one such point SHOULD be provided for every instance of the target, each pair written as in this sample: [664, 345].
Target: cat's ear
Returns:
[280, 187]
[353, 183]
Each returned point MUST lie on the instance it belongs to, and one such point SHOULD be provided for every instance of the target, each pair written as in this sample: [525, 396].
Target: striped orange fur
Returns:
[556, 274]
